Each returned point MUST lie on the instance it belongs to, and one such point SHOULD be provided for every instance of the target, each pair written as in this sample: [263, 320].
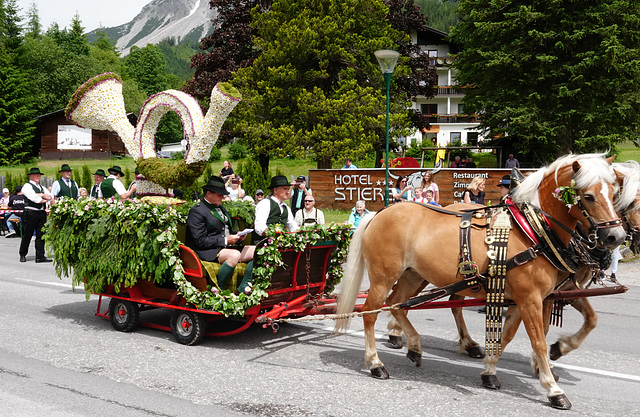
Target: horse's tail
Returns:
[353, 273]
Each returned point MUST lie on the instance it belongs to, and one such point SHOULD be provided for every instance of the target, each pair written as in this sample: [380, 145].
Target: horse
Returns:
[627, 205]
[415, 239]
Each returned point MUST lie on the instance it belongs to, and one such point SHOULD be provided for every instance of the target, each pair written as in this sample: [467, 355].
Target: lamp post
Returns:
[387, 60]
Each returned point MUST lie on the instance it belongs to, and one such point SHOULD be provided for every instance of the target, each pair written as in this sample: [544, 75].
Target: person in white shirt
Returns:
[112, 185]
[309, 214]
[234, 188]
[273, 209]
[65, 187]
[34, 217]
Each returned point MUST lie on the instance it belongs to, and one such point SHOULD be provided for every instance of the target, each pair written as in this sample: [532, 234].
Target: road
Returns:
[58, 359]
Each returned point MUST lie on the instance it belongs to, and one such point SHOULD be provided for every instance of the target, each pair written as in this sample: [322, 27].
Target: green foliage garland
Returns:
[102, 243]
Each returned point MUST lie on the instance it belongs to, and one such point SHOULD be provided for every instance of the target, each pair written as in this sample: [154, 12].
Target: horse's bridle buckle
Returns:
[468, 268]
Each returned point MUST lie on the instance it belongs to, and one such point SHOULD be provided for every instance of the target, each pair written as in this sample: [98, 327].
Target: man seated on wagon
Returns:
[273, 209]
[212, 234]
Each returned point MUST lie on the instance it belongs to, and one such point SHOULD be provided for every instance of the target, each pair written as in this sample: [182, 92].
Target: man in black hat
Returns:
[273, 209]
[65, 187]
[212, 234]
[300, 191]
[34, 216]
[98, 177]
[112, 186]
[505, 185]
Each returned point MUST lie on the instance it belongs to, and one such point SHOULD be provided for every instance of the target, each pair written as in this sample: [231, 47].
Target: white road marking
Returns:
[380, 337]
[54, 284]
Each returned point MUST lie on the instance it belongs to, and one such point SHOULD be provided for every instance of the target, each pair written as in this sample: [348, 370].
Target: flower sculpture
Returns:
[99, 104]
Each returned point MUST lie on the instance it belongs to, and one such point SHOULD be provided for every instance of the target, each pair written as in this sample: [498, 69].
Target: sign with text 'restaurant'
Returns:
[341, 188]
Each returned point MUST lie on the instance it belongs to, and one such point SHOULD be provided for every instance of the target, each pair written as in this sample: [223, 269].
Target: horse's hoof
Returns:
[415, 357]
[555, 376]
[396, 342]
[560, 402]
[490, 381]
[554, 352]
[380, 373]
[475, 352]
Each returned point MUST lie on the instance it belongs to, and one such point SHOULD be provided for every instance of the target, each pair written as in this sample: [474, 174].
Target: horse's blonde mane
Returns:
[630, 186]
[594, 169]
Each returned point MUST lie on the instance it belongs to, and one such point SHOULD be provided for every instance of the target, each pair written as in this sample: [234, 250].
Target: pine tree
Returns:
[16, 117]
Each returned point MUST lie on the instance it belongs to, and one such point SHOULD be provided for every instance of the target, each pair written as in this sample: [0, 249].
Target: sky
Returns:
[93, 13]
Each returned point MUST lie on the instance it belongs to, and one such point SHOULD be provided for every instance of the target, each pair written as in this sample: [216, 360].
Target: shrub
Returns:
[237, 151]
[252, 177]
[215, 155]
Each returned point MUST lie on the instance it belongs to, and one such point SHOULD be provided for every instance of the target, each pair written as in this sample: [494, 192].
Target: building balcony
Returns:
[449, 90]
[441, 61]
[450, 118]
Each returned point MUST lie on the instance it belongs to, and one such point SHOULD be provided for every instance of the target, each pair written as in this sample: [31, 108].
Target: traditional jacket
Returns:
[206, 229]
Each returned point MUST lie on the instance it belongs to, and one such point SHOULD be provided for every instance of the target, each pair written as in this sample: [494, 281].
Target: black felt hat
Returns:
[216, 184]
[35, 170]
[100, 172]
[65, 167]
[278, 181]
[115, 170]
[505, 181]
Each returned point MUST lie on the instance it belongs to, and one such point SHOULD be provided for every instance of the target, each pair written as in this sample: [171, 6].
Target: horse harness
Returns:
[537, 226]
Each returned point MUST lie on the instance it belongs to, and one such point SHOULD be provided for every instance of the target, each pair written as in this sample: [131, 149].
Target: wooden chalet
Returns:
[61, 139]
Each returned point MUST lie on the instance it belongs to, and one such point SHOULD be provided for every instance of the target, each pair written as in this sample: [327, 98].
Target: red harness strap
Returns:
[521, 220]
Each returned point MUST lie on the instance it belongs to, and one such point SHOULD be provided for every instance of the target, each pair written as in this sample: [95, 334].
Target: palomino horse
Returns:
[627, 205]
[416, 238]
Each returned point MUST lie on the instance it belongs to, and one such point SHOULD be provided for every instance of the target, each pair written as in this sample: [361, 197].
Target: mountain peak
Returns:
[162, 19]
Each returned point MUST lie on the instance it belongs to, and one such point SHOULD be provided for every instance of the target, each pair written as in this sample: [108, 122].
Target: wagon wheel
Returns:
[188, 327]
[124, 315]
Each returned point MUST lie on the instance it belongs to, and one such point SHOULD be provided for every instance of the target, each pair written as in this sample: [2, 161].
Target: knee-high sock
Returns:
[246, 279]
[224, 275]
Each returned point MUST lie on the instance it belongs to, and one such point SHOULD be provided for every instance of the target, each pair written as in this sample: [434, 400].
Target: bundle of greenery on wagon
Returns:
[101, 243]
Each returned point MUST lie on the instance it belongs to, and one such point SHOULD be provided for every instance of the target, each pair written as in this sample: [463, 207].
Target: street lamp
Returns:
[387, 60]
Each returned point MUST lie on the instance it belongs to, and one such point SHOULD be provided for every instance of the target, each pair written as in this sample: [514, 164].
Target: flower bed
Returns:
[117, 243]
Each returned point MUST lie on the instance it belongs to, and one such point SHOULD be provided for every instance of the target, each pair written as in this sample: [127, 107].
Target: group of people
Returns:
[214, 236]
[35, 198]
[428, 191]
[462, 162]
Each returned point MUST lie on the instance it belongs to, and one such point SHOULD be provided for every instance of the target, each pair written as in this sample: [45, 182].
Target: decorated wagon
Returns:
[133, 251]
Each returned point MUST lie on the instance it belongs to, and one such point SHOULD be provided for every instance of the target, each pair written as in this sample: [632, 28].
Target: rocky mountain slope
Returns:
[161, 19]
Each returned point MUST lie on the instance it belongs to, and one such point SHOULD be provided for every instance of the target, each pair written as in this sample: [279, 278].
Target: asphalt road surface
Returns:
[58, 359]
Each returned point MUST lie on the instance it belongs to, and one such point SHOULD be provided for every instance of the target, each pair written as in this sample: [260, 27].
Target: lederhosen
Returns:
[309, 220]
[34, 217]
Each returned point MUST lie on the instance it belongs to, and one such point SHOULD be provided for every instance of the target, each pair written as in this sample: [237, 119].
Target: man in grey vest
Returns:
[65, 187]
[34, 216]
[273, 209]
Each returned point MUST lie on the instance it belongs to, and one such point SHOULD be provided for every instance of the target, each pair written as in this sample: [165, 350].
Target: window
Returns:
[472, 138]
[429, 108]
[460, 108]
[455, 137]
